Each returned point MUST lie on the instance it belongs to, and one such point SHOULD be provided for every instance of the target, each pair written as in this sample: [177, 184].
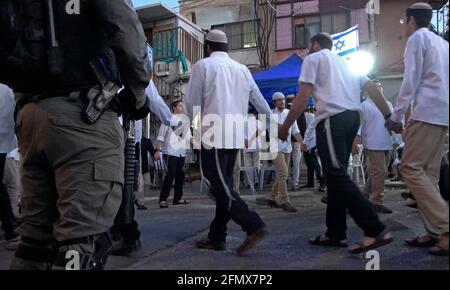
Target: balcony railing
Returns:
[168, 44]
[167, 90]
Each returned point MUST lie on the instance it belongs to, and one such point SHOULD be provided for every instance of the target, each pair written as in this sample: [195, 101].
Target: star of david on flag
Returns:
[346, 42]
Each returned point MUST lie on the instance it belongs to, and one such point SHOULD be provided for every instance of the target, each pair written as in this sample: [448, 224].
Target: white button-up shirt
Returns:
[157, 104]
[285, 146]
[8, 140]
[253, 127]
[138, 131]
[222, 88]
[310, 134]
[374, 134]
[336, 88]
[425, 84]
[175, 142]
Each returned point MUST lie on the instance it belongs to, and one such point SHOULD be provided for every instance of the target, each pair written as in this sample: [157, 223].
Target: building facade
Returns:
[380, 31]
[235, 17]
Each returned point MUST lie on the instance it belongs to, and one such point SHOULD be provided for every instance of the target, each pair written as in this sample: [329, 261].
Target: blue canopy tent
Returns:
[281, 78]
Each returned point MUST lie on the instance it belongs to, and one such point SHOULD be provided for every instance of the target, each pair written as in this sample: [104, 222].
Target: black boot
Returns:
[126, 248]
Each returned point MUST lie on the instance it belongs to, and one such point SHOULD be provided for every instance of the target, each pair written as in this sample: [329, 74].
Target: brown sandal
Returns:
[328, 243]
[380, 241]
[416, 243]
[182, 202]
[438, 251]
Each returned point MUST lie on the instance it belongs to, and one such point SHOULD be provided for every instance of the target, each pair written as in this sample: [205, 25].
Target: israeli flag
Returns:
[346, 42]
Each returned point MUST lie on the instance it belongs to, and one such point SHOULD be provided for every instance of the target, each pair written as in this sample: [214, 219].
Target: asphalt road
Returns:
[168, 237]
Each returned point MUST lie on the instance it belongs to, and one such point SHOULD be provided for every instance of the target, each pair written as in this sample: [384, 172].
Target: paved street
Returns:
[168, 237]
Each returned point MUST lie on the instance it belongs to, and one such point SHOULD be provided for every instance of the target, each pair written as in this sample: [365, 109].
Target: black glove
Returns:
[143, 112]
[128, 103]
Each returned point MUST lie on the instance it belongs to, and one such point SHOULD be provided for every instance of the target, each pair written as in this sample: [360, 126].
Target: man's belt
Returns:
[26, 99]
[72, 96]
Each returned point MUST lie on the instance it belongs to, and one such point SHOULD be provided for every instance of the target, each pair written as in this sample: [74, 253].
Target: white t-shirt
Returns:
[374, 134]
[336, 88]
[8, 140]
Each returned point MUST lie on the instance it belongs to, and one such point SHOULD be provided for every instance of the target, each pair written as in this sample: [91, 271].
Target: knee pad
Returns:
[89, 253]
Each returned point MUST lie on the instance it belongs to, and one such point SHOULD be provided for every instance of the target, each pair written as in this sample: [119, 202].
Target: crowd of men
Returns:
[72, 171]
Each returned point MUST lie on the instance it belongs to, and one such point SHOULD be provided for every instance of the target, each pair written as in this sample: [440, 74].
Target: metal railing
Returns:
[167, 90]
[168, 43]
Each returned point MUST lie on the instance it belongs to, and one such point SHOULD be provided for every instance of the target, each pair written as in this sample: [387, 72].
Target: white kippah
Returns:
[420, 6]
[327, 35]
[217, 36]
[278, 96]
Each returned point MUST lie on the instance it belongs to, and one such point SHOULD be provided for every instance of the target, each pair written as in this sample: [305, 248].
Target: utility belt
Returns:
[72, 96]
[98, 99]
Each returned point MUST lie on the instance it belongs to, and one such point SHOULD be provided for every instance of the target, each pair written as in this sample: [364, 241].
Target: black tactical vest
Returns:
[24, 52]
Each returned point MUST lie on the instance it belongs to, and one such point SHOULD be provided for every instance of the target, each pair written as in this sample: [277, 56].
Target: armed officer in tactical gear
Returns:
[73, 161]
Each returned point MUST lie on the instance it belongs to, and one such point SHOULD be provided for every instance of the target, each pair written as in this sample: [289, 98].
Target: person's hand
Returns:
[355, 146]
[394, 126]
[303, 147]
[283, 133]
[128, 103]
[157, 155]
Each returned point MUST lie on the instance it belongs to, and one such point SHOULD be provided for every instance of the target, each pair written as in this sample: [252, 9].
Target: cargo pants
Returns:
[72, 172]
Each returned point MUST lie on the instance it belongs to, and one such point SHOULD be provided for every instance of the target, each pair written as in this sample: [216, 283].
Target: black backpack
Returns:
[22, 41]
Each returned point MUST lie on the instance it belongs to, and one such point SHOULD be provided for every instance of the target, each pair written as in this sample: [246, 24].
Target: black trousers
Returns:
[343, 193]
[218, 167]
[146, 148]
[6, 213]
[175, 170]
[313, 165]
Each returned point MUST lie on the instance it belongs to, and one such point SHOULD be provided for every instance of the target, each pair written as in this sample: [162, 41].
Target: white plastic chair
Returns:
[356, 166]
[266, 167]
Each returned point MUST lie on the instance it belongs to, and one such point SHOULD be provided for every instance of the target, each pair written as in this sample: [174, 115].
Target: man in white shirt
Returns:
[173, 145]
[8, 142]
[336, 91]
[157, 104]
[296, 154]
[377, 142]
[279, 197]
[222, 88]
[310, 152]
[425, 91]
[252, 154]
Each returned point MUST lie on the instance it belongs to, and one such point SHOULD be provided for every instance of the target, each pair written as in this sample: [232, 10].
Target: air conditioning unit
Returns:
[162, 69]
